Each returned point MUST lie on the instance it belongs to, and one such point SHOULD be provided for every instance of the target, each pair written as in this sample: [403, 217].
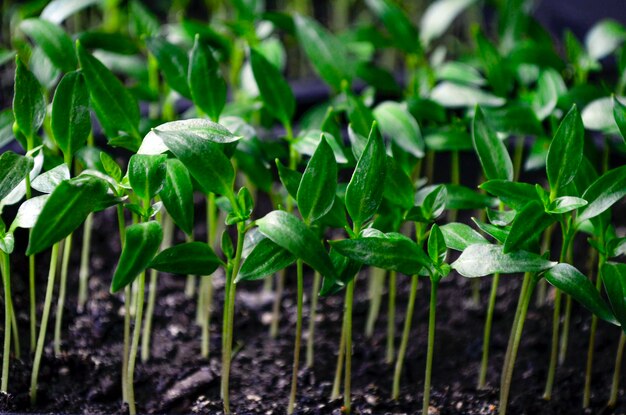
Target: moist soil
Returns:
[86, 378]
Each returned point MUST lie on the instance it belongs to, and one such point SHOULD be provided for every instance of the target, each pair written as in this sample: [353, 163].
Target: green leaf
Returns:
[13, 169]
[174, 63]
[448, 140]
[434, 203]
[177, 195]
[266, 258]
[28, 213]
[146, 174]
[58, 10]
[6, 127]
[565, 204]
[393, 252]
[48, 181]
[459, 236]
[603, 193]
[289, 178]
[29, 107]
[111, 167]
[316, 192]
[53, 40]
[397, 123]
[437, 248]
[462, 197]
[614, 279]
[66, 209]
[566, 151]
[439, 16]
[141, 244]
[619, 113]
[325, 52]
[360, 116]
[527, 227]
[402, 31]
[115, 106]
[451, 95]
[398, 187]
[293, 235]
[275, 91]
[203, 157]
[491, 151]
[480, 260]
[206, 84]
[572, 282]
[604, 38]
[499, 233]
[71, 120]
[142, 21]
[514, 195]
[365, 190]
[195, 258]
[550, 86]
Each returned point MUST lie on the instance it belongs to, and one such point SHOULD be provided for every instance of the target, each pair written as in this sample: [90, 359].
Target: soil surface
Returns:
[86, 378]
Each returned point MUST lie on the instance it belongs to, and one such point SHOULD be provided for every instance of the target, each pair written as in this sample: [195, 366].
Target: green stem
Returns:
[278, 297]
[16, 334]
[8, 311]
[616, 373]
[147, 322]
[132, 356]
[517, 157]
[228, 328]
[347, 380]
[62, 294]
[375, 291]
[33, 303]
[430, 165]
[431, 344]
[83, 275]
[310, 344]
[340, 358]
[592, 341]
[207, 281]
[44, 322]
[405, 338]
[455, 178]
[516, 336]
[391, 319]
[296, 350]
[121, 225]
[482, 377]
[565, 331]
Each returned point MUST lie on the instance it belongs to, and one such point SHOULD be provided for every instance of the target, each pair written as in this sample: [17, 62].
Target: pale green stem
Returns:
[616, 373]
[405, 338]
[376, 287]
[83, 275]
[317, 279]
[296, 350]
[132, 357]
[147, 322]
[340, 358]
[431, 344]
[16, 334]
[516, 336]
[592, 342]
[391, 319]
[347, 398]
[62, 294]
[484, 364]
[33, 303]
[8, 311]
[44, 322]
[455, 178]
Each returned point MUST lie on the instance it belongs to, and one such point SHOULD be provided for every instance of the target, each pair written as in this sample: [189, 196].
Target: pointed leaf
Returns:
[29, 107]
[527, 227]
[316, 192]
[491, 151]
[459, 236]
[53, 40]
[48, 181]
[614, 279]
[402, 31]
[397, 123]
[266, 258]
[572, 282]
[71, 120]
[514, 195]
[437, 248]
[177, 195]
[275, 91]
[141, 244]
[603, 193]
[146, 174]
[481, 260]
[292, 234]
[13, 169]
[174, 63]
[566, 151]
[195, 258]
[206, 84]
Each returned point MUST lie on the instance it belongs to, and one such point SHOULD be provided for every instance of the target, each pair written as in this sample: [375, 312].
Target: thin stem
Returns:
[44, 322]
[405, 338]
[516, 337]
[296, 350]
[132, 357]
[121, 225]
[376, 287]
[340, 358]
[431, 344]
[8, 311]
[455, 178]
[83, 274]
[347, 380]
[310, 344]
[484, 364]
[517, 157]
[278, 297]
[565, 330]
[62, 294]
[207, 287]
[228, 328]
[618, 368]
[147, 322]
[592, 341]
[16, 334]
[391, 318]
[33, 302]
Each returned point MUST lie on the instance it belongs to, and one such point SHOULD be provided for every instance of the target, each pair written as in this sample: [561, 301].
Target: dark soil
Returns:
[86, 379]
